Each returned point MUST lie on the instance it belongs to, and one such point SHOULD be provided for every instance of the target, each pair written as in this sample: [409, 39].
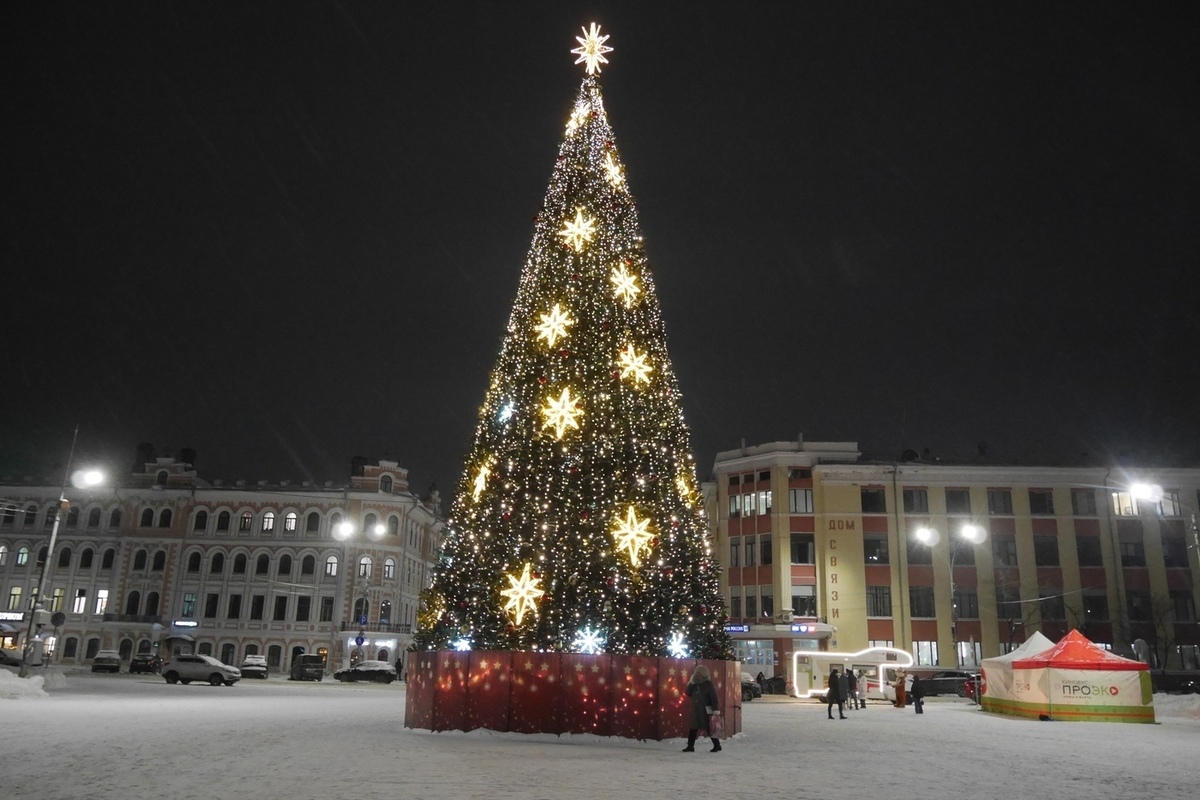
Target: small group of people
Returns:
[844, 688]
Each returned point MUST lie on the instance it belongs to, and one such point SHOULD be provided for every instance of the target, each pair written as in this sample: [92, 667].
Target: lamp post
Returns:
[343, 532]
[38, 616]
[968, 534]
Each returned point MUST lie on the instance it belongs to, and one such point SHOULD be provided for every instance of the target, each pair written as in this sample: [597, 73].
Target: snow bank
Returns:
[1177, 706]
[14, 688]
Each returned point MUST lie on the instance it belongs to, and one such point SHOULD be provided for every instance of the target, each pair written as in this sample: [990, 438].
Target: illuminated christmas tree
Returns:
[577, 525]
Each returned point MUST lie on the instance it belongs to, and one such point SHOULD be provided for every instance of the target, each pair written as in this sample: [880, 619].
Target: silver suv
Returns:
[185, 669]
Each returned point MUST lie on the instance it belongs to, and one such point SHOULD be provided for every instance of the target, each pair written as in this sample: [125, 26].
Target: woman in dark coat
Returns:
[704, 697]
[834, 695]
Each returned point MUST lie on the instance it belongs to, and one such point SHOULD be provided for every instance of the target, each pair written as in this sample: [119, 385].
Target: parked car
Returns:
[949, 681]
[185, 669]
[145, 662]
[307, 667]
[750, 688]
[107, 661]
[969, 688]
[254, 667]
[776, 684]
[10, 658]
[375, 671]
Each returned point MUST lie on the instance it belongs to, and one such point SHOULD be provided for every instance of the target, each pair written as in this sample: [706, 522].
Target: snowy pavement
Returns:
[134, 736]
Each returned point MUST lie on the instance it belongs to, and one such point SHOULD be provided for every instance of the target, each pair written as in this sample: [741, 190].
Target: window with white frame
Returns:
[268, 522]
[101, 601]
[389, 568]
[331, 565]
[79, 605]
[364, 567]
[800, 501]
[925, 653]
[1170, 506]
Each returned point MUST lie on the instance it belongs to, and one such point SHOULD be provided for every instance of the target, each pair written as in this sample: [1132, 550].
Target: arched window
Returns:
[147, 518]
[164, 518]
[94, 518]
[289, 521]
[268, 523]
[64, 558]
[3, 555]
[385, 484]
[152, 604]
[8, 517]
[274, 653]
[125, 649]
[360, 608]
[206, 648]
[245, 522]
[30, 516]
[160, 561]
[223, 521]
[193, 562]
[161, 478]
[394, 525]
[133, 602]
[42, 556]
[389, 568]
[308, 565]
[382, 655]
[73, 517]
[106, 562]
[251, 649]
[330, 566]
[217, 565]
[239, 564]
[93, 647]
[285, 566]
[51, 513]
[312, 522]
[22, 556]
[201, 521]
[385, 613]
[335, 520]
[369, 523]
[70, 647]
[228, 653]
[139, 560]
[263, 565]
[364, 567]
[145, 646]
[85, 559]
[114, 518]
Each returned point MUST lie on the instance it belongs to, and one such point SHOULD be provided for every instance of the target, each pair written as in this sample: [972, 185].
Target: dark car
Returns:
[145, 662]
[307, 667]
[374, 671]
[777, 684]
[950, 681]
[750, 688]
[10, 658]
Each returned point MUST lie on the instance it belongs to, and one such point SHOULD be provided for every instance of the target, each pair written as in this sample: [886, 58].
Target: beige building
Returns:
[952, 563]
[168, 560]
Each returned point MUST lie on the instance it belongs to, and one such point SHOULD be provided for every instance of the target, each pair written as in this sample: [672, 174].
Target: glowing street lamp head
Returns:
[378, 530]
[973, 533]
[1150, 492]
[343, 530]
[83, 478]
[926, 536]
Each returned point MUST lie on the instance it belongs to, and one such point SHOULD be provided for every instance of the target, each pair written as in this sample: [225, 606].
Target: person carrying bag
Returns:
[705, 711]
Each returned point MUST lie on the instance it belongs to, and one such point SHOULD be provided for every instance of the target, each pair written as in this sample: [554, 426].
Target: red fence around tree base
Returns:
[635, 697]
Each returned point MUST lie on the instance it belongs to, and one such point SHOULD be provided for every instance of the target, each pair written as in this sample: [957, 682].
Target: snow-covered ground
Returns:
[134, 736]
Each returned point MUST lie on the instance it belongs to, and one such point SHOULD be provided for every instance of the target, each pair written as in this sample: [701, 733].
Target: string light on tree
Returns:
[578, 117]
[481, 480]
[562, 413]
[591, 49]
[522, 594]
[578, 232]
[554, 325]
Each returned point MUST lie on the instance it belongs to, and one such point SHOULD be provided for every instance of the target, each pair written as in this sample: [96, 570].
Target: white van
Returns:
[877, 664]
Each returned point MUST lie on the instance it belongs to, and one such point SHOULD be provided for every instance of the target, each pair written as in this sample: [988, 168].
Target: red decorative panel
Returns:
[536, 694]
[418, 702]
[587, 693]
[487, 690]
[674, 706]
[450, 691]
[635, 697]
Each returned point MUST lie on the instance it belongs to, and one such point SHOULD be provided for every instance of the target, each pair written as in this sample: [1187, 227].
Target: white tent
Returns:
[998, 688]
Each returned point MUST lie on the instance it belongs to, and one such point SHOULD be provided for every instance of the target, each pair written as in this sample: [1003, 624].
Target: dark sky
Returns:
[285, 234]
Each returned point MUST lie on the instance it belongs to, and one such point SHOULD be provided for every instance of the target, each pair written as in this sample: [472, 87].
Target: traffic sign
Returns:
[358, 640]
[362, 620]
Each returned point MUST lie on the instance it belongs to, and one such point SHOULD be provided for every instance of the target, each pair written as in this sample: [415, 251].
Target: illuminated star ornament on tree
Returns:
[581, 470]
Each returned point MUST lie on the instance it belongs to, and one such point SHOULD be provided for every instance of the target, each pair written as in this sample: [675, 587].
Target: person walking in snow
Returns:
[704, 705]
[917, 693]
[833, 695]
[852, 685]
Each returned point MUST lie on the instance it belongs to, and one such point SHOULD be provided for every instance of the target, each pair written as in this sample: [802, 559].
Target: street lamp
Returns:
[968, 534]
[343, 531]
[38, 616]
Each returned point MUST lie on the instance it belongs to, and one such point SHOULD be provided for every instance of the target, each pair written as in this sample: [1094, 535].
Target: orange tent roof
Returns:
[1076, 651]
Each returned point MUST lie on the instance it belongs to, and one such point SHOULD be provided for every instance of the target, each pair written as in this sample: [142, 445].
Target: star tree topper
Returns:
[592, 49]
[523, 594]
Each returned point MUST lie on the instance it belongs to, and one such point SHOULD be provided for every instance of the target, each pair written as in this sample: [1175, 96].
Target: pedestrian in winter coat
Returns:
[844, 685]
[704, 704]
[834, 695]
[852, 685]
[862, 690]
[917, 693]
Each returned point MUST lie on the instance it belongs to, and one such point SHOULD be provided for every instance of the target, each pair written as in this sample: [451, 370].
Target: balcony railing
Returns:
[148, 619]
[380, 627]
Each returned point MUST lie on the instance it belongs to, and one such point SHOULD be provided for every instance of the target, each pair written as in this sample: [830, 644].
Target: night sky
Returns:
[286, 234]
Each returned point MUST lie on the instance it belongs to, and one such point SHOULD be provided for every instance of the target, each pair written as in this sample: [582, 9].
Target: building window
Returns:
[245, 522]
[268, 523]
[1004, 550]
[925, 653]
[280, 608]
[764, 502]
[385, 484]
[22, 556]
[200, 523]
[385, 612]
[1050, 602]
[258, 603]
[999, 502]
[217, 565]
[804, 601]
[223, 521]
[916, 501]
[1087, 548]
[733, 480]
[164, 518]
[879, 601]
[326, 609]
[235, 607]
[1174, 552]
[1124, 504]
[101, 601]
[966, 604]
[262, 565]
[751, 602]
[79, 606]
[114, 519]
[393, 525]
[1083, 502]
[64, 558]
[1170, 506]
[918, 552]
[193, 564]
[8, 516]
[369, 523]
[1133, 554]
[285, 566]
[873, 501]
[1045, 550]
[764, 550]
[14, 598]
[1183, 605]
[920, 601]
[303, 608]
[1139, 606]
[56, 600]
[73, 517]
[147, 518]
[94, 518]
[331, 565]
[1008, 602]
[389, 568]
[1095, 606]
[211, 601]
[750, 551]
[1041, 502]
[875, 548]
[735, 606]
[106, 562]
[735, 553]
[308, 565]
[189, 606]
[800, 501]
[239, 564]
[312, 523]
[289, 521]
[139, 559]
[364, 567]
[803, 548]
[735, 506]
